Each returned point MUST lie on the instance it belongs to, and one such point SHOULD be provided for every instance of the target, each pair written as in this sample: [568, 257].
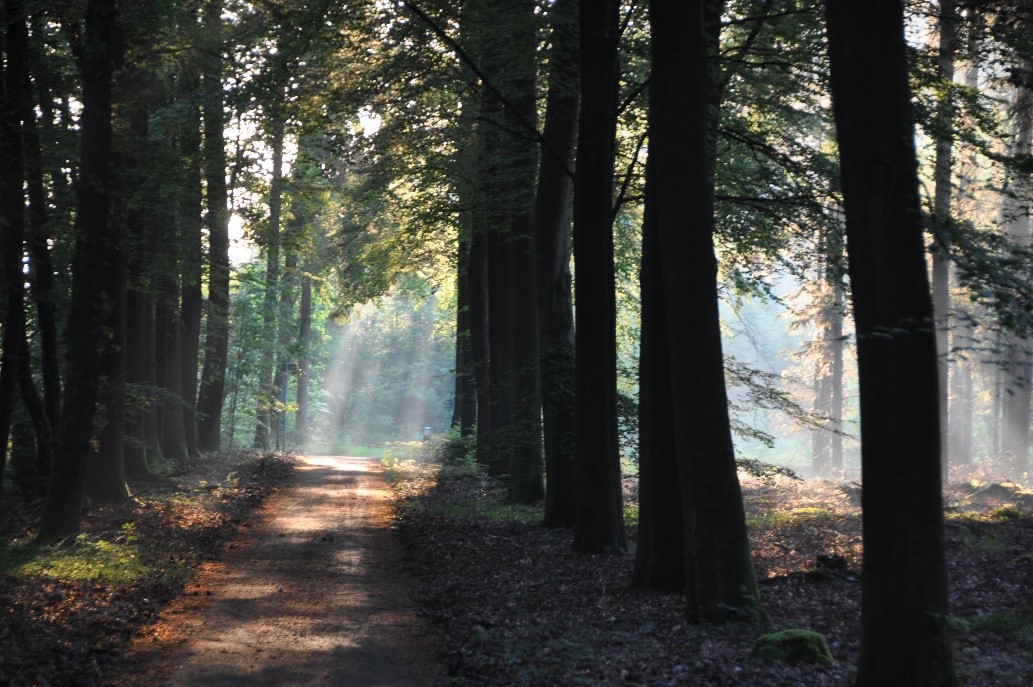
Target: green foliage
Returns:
[1017, 626]
[794, 646]
[768, 471]
[1007, 513]
[454, 450]
[117, 562]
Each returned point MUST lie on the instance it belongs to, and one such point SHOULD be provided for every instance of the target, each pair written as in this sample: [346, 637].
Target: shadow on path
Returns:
[311, 594]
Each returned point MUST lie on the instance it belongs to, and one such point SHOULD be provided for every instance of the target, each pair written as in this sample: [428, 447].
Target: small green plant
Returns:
[1008, 513]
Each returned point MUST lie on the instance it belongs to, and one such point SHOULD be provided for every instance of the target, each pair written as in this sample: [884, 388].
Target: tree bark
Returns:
[1018, 367]
[270, 334]
[44, 293]
[660, 554]
[720, 584]
[105, 471]
[12, 208]
[95, 283]
[213, 374]
[464, 406]
[941, 245]
[905, 639]
[599, 524]
[304, 346]
[191, 274]
[552, 247]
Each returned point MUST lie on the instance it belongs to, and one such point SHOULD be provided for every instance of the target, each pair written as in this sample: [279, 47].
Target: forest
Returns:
[673, 284]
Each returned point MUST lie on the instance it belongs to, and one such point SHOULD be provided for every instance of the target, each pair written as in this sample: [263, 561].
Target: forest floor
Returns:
[212, 586]
[516, 606]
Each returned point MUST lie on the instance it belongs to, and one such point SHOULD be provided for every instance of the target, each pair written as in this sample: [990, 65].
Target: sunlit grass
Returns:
[794, 516]
[117, 562]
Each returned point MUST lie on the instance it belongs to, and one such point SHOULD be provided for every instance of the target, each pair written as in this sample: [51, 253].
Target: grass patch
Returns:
[631, 515]
[117, 562]
[793, 517]
[1005, 625]
[490, 512]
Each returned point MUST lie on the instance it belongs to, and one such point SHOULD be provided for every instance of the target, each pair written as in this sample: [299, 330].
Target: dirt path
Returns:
[312, 593]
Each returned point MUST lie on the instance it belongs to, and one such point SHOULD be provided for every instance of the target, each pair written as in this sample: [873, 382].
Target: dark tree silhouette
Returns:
[904, 634]
[95, 280]
[599, 526]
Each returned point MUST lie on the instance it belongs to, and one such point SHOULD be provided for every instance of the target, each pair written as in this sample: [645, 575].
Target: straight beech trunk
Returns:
[599, 524]
[464, 407]
[41, 429]
[304, 344]
[720, 584]
[510, 164]
[135, 95]
[940, 248]
[43, 290]
[288, 284]
[270, 333]
[552, 247]
[12, 223]
[660, 554]
[105, 472]
[962, 422]
[905, 638]
[1018, 368]
[172, 421]
[95, 282]
[191, 274]
[480, 348]
[213, 374]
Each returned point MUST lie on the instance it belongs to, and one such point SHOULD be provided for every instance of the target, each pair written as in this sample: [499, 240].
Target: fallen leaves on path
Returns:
[75, 631]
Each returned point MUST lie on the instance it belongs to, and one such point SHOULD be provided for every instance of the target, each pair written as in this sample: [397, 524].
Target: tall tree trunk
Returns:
[105, 472]
[905, 639]
[464, 406]
[95, 283]
[304, 346]
[41, 429]
[962, 425]
[940, 248]
[836, 344]
[510, 165]
[552, 246]
[270, 333]
[44, 292]
[142, 451]
[599, 524]
[12, 208]
[287, 295]
[172, 421]
[660, 554]
[191, 275]
[480, 348]
[213, 374]
[720, 584]
[1018, 368]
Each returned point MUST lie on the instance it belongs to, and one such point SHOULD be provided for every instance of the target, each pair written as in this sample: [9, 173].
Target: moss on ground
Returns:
[794, 646]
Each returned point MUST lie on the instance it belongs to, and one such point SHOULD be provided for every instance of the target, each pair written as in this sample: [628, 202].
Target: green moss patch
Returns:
[116, 562]
[794, 646]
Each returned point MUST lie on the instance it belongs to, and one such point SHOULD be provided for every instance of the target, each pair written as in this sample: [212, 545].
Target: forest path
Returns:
[311, 593]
